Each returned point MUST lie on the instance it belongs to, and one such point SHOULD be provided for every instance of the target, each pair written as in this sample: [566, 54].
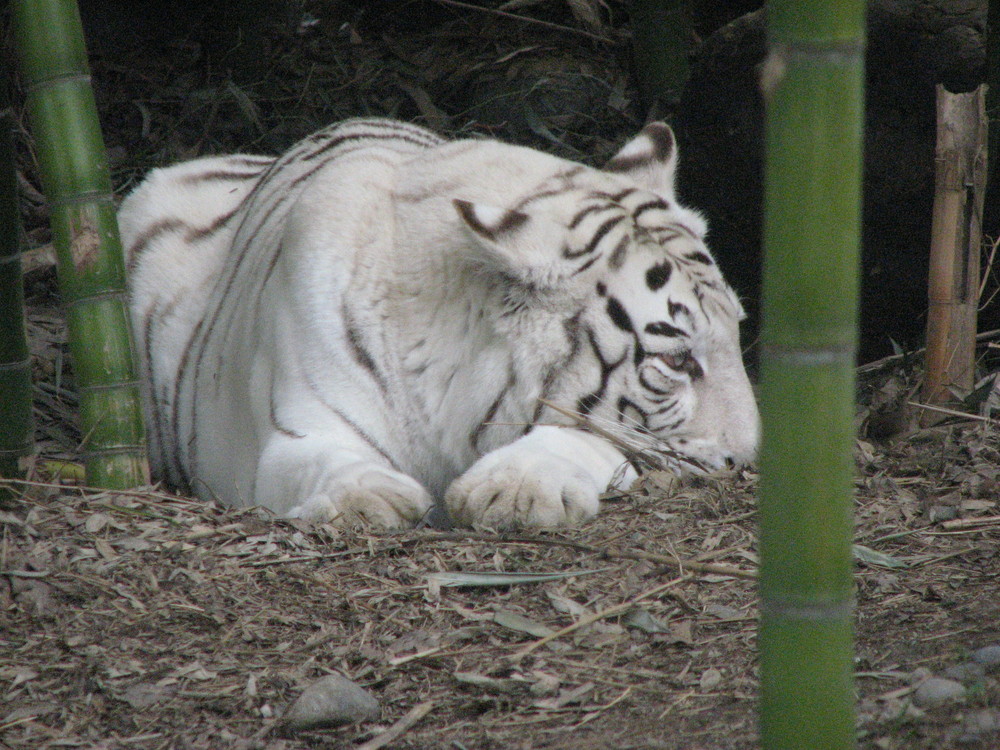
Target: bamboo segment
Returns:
[956, 234]
[812, 83]
[75, 177]
[16, 427]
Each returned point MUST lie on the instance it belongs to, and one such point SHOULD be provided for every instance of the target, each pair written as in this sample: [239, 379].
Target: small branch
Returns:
[968, 523]
[951, 412]
[677, 562]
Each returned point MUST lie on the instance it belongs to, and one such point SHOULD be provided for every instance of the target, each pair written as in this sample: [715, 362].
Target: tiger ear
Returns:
[514, 244]
[650, 159]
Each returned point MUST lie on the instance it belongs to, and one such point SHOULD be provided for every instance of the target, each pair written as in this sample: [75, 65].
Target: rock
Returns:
[982, 721]
[988, 656]
[936, 690]
[331, 701]
[966, 672]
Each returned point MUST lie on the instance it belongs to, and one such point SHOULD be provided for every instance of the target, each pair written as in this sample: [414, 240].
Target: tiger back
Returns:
[379, 319]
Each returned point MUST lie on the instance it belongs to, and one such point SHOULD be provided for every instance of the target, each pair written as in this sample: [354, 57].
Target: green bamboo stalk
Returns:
[661, 43]
[16, 427]
[75, 177]
[813, 85]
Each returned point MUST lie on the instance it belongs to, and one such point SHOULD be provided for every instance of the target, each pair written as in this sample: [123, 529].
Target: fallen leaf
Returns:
[522, 624]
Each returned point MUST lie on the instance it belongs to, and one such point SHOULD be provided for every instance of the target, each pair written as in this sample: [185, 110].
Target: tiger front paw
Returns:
[367, 495]
[511, 488]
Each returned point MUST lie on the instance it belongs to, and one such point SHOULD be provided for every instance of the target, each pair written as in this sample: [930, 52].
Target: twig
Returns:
[398, 729]
[526, 19]
[880, 363]
[951, 412]
[672, 560]
[617, 609]
[965, 523]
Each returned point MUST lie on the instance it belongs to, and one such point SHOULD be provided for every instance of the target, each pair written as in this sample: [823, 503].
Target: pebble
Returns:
[966, 672]
[988, 656]
[937, 690]
[982, 721]
[331, 701]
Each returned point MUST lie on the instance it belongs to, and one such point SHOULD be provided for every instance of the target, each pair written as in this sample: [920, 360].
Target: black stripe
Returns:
[663, 328]
[599, 234]
[587, 403]
[199, 233]
[273, 416]
[617, 258]
[586, 265]
[219, 175]
[619, 316]
[150, 233]
[677, 308]
[625, 404]
[360, 353]
[156, 427]
[698, 257]
[585, 212]
[644, 381]
[182, 366]
[617, 197]
[353, 425]
[340, 140]
[657, 204]
[657, 276]
[492, 410]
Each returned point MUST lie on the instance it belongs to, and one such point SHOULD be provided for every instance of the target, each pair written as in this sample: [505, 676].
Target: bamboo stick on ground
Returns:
[74, 171]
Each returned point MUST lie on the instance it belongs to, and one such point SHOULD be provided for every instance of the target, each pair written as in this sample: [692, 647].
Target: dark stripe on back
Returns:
[219, 175]
[150, 233]
[359, 352]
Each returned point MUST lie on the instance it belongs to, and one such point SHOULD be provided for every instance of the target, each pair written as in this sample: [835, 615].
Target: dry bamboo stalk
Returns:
[956, 232]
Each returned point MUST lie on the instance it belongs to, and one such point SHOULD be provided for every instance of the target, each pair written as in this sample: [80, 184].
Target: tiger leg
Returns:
[319, 479]
[552, 476]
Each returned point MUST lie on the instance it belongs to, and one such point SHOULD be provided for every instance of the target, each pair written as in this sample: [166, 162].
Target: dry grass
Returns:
[146, 620]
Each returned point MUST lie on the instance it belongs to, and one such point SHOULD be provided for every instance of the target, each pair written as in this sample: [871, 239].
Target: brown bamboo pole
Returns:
[956, 234]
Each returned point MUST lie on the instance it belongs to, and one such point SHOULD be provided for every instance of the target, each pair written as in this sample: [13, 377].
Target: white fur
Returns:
[350, 345]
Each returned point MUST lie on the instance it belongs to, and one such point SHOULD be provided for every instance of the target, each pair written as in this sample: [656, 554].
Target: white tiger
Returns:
[378, 318]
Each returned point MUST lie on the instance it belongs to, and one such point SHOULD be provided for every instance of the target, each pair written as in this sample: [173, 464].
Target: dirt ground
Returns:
[145, 620]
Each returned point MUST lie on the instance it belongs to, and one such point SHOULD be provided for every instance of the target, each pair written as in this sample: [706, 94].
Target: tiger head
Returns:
[624, 307]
